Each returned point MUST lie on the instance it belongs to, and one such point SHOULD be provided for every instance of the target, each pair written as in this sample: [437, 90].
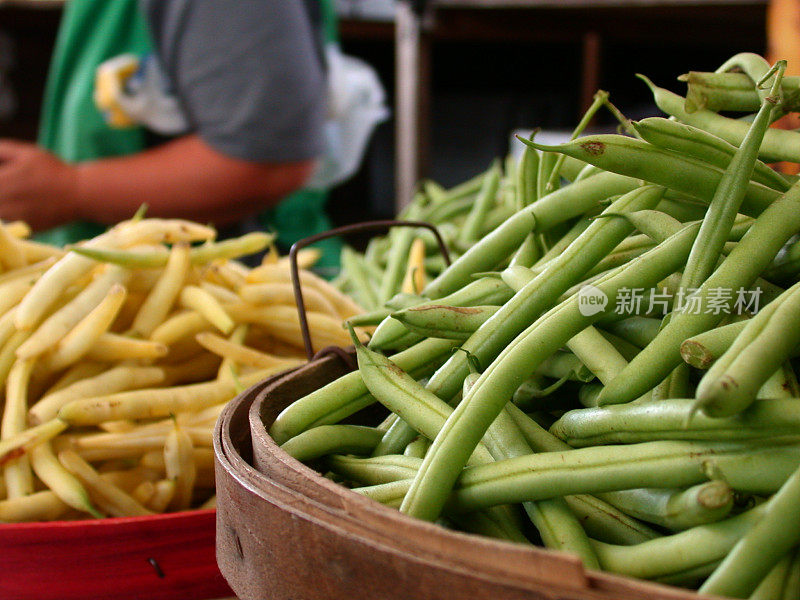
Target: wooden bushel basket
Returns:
[285, 532]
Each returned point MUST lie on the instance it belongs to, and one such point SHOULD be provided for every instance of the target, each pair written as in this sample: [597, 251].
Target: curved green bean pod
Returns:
[778, 144]
[605, 523]
[774, 584]
[527, 304]
[348, 394]
[728, 196]
[417, 448]
[752, 468]
[636, 158]
[426, 413]
[557, 207]
[694, 142]
[354, 264]
[484, 291]
[732, 92]
[527, 177]
[755, 554]
[332, 439]
[701, 350]
[666, 420]
[676, 510]
[440, 321]
[639, 331]
[465, 427]
[768, 339]
[688, 550]
[397, 437]
[739, 270]
[472, 227]
[792, 587]
[597, 353]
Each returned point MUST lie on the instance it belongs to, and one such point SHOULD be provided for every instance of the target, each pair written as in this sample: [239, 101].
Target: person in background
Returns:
[247, 84]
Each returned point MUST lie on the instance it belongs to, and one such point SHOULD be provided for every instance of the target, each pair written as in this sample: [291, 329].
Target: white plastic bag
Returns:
[357, 104]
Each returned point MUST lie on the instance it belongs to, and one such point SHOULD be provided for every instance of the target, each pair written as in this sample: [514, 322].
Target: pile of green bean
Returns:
[610, 370]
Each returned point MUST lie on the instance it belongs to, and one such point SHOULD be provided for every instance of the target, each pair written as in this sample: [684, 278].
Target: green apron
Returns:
[92, 31]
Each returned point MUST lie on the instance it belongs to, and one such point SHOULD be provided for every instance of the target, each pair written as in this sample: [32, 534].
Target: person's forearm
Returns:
[182, 178]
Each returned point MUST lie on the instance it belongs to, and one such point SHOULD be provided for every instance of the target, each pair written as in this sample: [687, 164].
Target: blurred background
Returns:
[486, 69]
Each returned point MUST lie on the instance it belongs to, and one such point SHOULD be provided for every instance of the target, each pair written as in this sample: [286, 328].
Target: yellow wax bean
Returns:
[62, 321]
[239, 353]
[117, 379]
[163, 295]
[108, 497]
[180, 467]
[203, 302]
[82, 337]
[283, 293]
[111, 347]
[151, 403]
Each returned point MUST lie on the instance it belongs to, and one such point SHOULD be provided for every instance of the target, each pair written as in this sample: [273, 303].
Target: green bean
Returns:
[484, 291]
[375, 470]
[597, 353]
[471, 229]
[528, 253]
[540, 293]
[729, 195]
[782, 384]
[682, 207]
[655, 225]
[738, 271]
[355, 265]
[494, 218]
[348, 394]
[557, 207]
[639, 331]
[332, 439]
[751, 468]
[768, 339]
[773, 585]
[731, 92]
[599, 99]
[527, 177]
[417, 448]
[778, 144]
[792, 588]
[678, 553]
[607, 524]
[666, 420]
[401, 239]
[636, 158]
[694, 142]
[397, 437]
[426, 413]
[624, 347]
[483, 524]
[536, 393]
[755, 554]
[701, 350]
[516, 362]
[676, 510]
[439, 214]
[561, 245]
[517, 277]
[440, 321]
[723, 208]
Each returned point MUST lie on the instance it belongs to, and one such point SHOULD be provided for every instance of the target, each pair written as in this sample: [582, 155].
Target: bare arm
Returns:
[182, 178]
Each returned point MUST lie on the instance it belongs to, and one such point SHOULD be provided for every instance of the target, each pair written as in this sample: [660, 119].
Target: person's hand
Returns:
[35, 186]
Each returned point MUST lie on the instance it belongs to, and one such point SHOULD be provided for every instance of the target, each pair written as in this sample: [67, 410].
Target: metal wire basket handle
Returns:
[347, 229]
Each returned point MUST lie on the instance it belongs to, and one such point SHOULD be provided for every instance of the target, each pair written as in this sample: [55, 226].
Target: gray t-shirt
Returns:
[248, 74]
